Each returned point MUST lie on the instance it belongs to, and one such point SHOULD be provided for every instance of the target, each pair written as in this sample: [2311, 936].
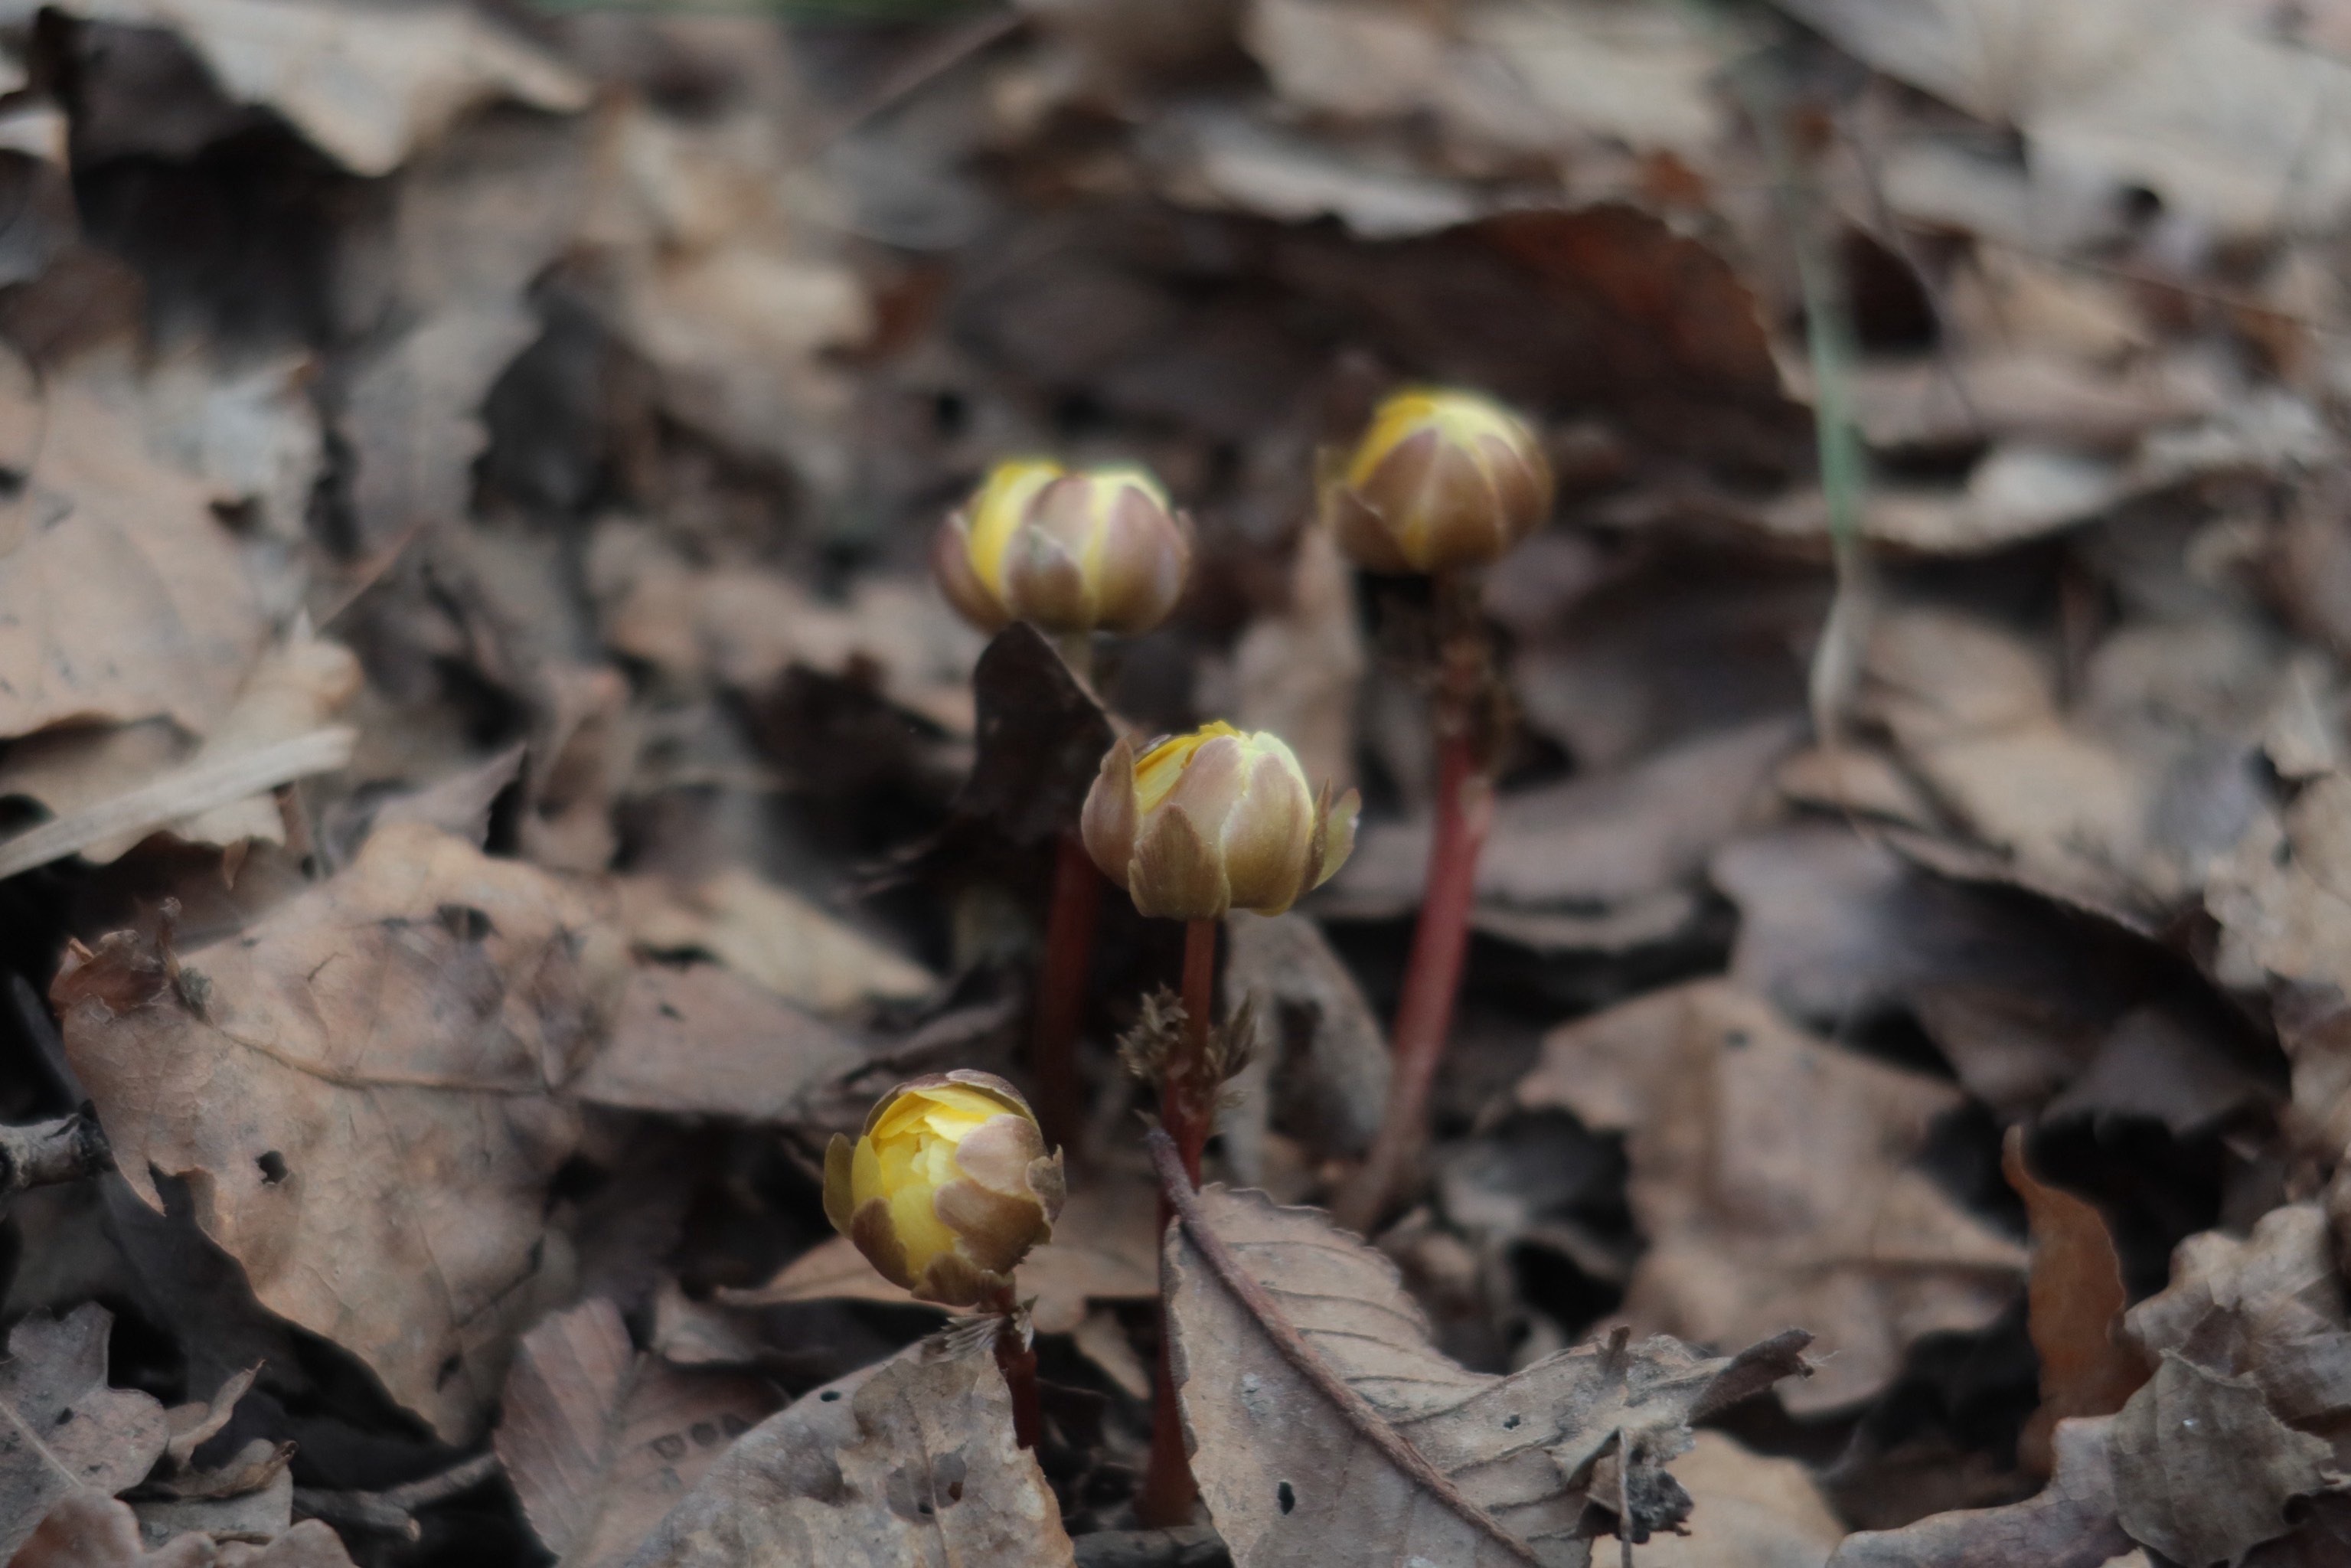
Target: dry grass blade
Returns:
[183, 792]
[1325, 1429]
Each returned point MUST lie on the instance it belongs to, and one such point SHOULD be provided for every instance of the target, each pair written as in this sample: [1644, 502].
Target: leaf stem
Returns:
[1188, 1104]
[1432, 979]
[1016, 1357]
[1062, 991]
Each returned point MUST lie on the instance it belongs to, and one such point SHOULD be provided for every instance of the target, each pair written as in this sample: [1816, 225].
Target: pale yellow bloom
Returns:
[1217, 820]
[1104, 550]
[947, 1186]
[1442, 479]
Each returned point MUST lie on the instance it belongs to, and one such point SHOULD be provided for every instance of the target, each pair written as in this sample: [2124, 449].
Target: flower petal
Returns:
[1175, 875]
[1109, 820]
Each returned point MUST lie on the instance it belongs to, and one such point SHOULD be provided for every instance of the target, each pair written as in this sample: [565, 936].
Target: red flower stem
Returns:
[1062, 992]
[1432, 976]
[1187, 1106]
[1016, 1359]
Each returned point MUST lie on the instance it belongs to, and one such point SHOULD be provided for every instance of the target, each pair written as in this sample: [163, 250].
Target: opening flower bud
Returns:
[1068, 552]
[1442, 479]
[1217, 820]
[947, 1188]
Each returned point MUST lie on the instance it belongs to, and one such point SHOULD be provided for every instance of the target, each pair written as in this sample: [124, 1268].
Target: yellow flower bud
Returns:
[1068, 552]
[1442, 479]
[947, 1186]
[1214, 821]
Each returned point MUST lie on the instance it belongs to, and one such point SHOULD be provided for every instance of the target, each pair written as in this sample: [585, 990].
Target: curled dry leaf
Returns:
[1774, 1177]
[62, 1429]
[2269, 1306]
[91, 1529]
[2075, 1297]
[600, 1441]
[362, 1089]
[1326, 1053]
[909, 1462]
[2069, 1523]
[1325, 1429]
[2202, 1469]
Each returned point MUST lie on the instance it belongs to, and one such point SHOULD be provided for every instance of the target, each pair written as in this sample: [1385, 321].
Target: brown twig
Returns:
[46, 1153]
[1440, 943]
[1352, 1408]
[392, 1511]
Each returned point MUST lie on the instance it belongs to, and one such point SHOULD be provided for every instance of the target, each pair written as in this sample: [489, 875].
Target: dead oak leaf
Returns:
[62, 1429]
[2203, 1471]
[365, 85]
[1773, 1175]
[362, 1093]
[1324, 1428]
[909, 1464]
[129, 600]
[91, 1529]
[2069, 1523]
[2269, 1306]
[600, 1440]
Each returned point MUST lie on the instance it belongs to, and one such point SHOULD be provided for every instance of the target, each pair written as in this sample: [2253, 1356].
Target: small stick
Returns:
[1062, 991]
[1431, 979]
[1352, 1408]
[392, 1511]
[1188, 1099]
[46, 1153]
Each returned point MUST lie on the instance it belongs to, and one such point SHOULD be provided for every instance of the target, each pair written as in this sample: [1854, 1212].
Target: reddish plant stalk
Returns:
[1187, 1109]
[1432, 976]
[1016, 1359]
[1062, 992]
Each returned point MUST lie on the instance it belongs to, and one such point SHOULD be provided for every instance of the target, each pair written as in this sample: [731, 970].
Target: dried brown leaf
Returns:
[770, 935]
[1325, 1429]
[702, 1040]
[2269, 1306]
[91, 1529]
[424, 67]
[2075, 1299]
[600, 1441]
[1321, 1047]
[362, 1089]
[1604, 839]
[130, 601]
[1748, 1511]
[2069, 1523]
[2203, 1471]
[1774, 1175]
[912, 1462]
[62, 1429]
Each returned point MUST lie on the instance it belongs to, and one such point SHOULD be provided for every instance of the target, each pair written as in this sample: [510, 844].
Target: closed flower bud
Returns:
[1214, 821]
[1101, 551]
[1442, 479]
[947, 1188]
